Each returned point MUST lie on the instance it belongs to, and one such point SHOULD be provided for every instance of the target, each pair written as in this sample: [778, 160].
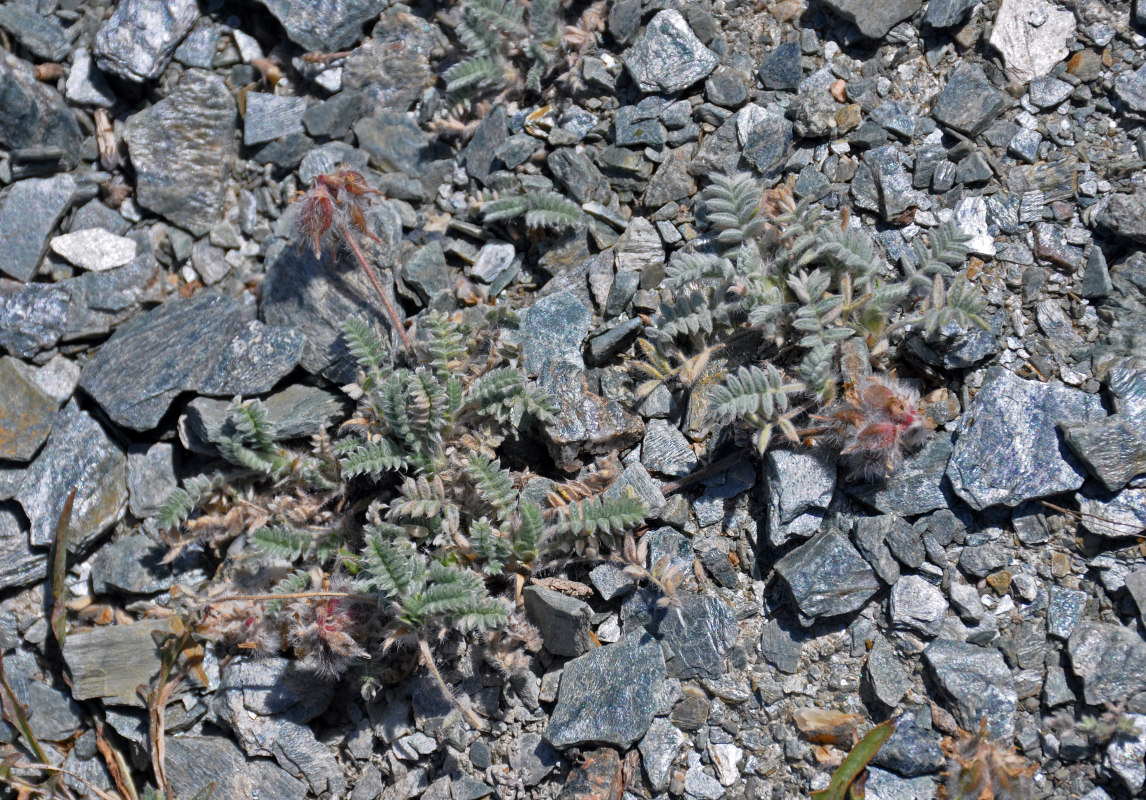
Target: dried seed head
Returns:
[335, 202]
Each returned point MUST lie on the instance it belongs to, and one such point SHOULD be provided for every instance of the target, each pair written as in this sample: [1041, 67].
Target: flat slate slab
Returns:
[204, 344]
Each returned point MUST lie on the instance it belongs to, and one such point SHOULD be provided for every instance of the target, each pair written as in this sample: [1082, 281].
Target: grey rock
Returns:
[698, 783]
[1112, 449]
[781, 68]
[585, 422]
[609, 695]
[611, 580]
[781, 647]
[668, 57]
[796, 483]
[324, 25]
[78, 454]
[917, 604]
[659, 749]
[726, 87]
[633, 129]
[271, 116]
[1126, 755]
[110, 662]
[1125, 216]
[53, 715]
[138, 40]
[203, 344]
[333, 117]
[1048, 92]
[574, 170]
[562, 620]
[20, 564]
[40, 33]
[100, 301]
[29, 212]
[328, 157]
[885, 675]
[182, 148]
[873, 17]
[981, 560]
[946, 13]
[1130, 88]
[1109, 659]
[1032, 36]
[194, 762]
[1127, 382]
[1136, 586]
[884, 785]
[605, 345]
[467, 788]
[1008, 449]
[1113, 515]
[969, 103]
[647, 488]
[1096, 282]
[666, 451]
[95, 249]
[394, 142]
[696, 641]
[1056, 690]
[480, 153]
[32, 114]
[1064, 611]
[150, 477]
[132, 564]
[532, 758]
[26, 413]
[200, 46]
[965, 599]
[979, 683]
[33, 317]
[553, 330]
[296, 412]
[827, 577]
[911, 751]
[316, 296]
[1024, 145]
[255, 702]
[765, 136]
[870, 539]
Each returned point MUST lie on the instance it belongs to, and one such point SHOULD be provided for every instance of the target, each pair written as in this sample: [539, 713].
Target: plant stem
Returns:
[395, 321]
[428, 660]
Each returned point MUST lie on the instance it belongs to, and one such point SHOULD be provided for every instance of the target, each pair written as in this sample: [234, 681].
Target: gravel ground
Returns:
[993, 584]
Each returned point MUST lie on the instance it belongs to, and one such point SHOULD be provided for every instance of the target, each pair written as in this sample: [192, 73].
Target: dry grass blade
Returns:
[117, 765]
[171, 674]
[60, 571]
[27, 790]
[1081, 516]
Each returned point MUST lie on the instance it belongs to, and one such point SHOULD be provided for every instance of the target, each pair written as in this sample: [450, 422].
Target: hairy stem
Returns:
[428, 660]
[395, 320]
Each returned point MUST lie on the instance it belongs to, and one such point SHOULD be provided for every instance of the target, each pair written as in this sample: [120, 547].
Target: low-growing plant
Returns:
[783, 279]
[408, 526]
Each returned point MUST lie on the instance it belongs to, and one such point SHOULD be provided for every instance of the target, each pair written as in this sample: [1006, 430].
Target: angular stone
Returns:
[325, 25]
[40, 33]
[875, 18]
[946, 13]
[1032, 36]
[1130, 88]
[78, 454]
[100, 301]
[696, 641]
[666, 451]
[609, 695]
[110, 662]
[911, 751]
[917, 604]
[1126, 754]
[29, 212]
[204, 344]
[765, 136]
[659, 749]
[869, 537]
[885, 675]
[668, 57]
[780, 647]
[781, 68]
[395, 142]
[182, 148]
[1113, 515]
[1008, 450]
[532, 758]
[20, 564]
[196, 762]
[26, 413]
[884, 785]
[797, 483]
[1109, 659]
[917, 486]
[1112, 449]
[132, 564]
[980, 684]
[271, 116]
[827, 577]
[562, 620]
[95, 249]
[296, 412]
[150, 477]
[33, 316]
[32, 114]
[968, 103]
[574, 170]
[553, 330]
[1125, 214]
[138, 40]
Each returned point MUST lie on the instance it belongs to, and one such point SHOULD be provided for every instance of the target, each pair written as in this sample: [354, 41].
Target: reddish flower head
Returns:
[334, 205]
